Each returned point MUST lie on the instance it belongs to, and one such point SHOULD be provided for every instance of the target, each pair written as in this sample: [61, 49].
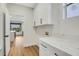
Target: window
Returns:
[72, 9]
[15, 27]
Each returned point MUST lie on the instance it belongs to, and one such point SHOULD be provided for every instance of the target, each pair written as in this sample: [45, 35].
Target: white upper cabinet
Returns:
[42, 14]
[47, 13]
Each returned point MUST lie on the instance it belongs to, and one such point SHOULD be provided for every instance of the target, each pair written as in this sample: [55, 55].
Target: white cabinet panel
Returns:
[60, 53]
[47, 13]
[42, 14]
[48, 50]
[45, 49]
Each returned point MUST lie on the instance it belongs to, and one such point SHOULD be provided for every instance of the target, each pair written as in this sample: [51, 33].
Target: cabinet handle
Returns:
[41, 20]
[55, 54]
[34, 23]
[44, 46]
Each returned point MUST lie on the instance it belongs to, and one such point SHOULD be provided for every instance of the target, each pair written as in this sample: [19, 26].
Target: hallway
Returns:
[17, 48]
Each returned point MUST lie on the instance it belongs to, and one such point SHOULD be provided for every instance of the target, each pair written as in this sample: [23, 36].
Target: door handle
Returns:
[44, 46]
[6, 35]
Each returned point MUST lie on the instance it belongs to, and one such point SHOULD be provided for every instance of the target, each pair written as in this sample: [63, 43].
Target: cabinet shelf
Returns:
[43, 25]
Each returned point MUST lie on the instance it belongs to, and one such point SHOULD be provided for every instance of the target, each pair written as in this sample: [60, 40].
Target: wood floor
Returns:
[24, 51]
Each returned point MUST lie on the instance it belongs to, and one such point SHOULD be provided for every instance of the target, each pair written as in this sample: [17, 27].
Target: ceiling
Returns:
[31, 5]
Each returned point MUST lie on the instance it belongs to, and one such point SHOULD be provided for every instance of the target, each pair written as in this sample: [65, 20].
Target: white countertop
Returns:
[70, 46]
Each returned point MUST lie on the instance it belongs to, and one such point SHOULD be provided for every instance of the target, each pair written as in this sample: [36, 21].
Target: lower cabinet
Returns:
[48, 50]
[45, 49]
[60, 53]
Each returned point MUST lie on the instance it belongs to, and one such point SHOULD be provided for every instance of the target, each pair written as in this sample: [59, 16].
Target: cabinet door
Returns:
[48, 50]
[36, 20]
[60, 53]
[45, 10]
[36, 14]
[45, 49]
[42, 13]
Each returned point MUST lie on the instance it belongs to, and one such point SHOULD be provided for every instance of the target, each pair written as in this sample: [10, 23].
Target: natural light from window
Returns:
[72, 10]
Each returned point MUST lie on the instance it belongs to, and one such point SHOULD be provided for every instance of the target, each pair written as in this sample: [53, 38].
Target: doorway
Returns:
[16, 33]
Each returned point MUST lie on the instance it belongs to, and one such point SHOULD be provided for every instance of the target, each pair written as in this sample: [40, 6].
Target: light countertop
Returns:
[68, 45]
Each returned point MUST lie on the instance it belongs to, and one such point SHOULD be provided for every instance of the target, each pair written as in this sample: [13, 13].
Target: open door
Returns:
[4, 30]
[2, 34]
[7, 33]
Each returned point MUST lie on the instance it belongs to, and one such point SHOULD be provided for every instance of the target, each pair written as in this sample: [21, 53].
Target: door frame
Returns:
[4, 32]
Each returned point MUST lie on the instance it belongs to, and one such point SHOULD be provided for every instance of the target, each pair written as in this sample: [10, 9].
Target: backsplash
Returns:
[44, 31]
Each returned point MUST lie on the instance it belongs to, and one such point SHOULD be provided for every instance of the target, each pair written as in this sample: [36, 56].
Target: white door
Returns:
[7, 33]
[5, 29]
[4, 35]
[1, 34]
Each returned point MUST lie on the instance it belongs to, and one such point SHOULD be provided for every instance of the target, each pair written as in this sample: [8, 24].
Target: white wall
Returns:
[70, 26]
[56, 16]
[29, 34]
[66, 26]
